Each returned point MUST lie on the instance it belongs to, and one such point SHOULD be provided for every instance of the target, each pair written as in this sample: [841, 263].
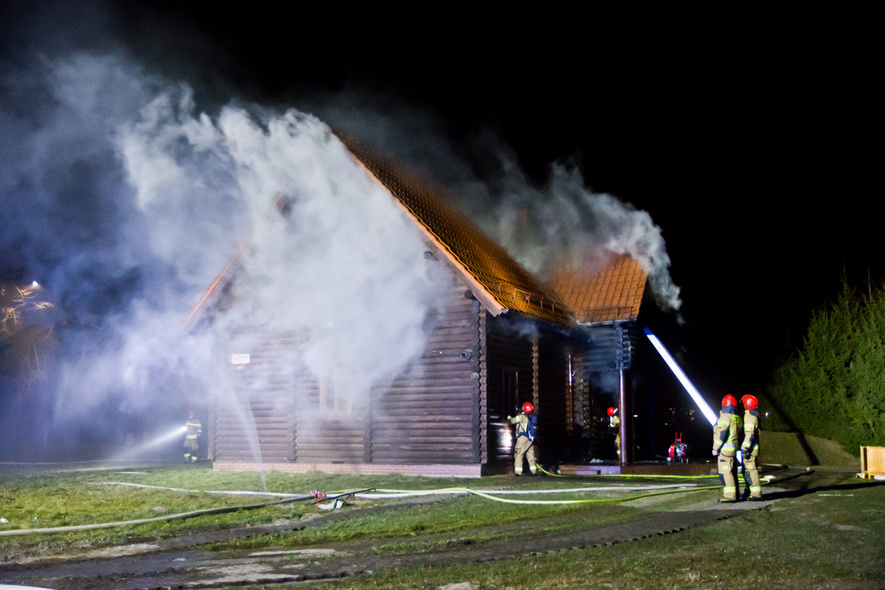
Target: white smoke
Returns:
[343, 266]
[560, 224]
[170, 194]
[565, 224]
[127, 199]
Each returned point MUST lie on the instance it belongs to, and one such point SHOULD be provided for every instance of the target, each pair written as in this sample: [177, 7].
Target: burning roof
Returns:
[613, 293]
[492, 275]
[496, 279]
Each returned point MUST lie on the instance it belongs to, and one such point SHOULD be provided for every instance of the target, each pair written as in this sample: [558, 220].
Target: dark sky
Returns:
[749, 138]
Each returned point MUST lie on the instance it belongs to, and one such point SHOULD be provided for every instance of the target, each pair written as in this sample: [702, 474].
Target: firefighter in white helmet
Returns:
[191, 439]
[750, 448]
[725, 446]
[526, 425]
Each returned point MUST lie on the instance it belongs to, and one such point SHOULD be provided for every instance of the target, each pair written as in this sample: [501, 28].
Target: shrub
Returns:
[834, 385]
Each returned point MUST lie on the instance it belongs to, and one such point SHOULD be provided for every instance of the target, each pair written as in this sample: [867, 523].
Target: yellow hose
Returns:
[631, 475]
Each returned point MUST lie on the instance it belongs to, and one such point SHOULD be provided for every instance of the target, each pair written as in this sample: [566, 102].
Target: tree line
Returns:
[833, 386]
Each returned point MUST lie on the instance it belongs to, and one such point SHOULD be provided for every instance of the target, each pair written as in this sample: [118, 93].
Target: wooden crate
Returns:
[872, 461]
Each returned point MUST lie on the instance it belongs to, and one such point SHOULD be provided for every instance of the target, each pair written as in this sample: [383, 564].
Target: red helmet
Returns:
[190, 414]
[612, 411]
[527, 408]
[750, 402]
[729, 400]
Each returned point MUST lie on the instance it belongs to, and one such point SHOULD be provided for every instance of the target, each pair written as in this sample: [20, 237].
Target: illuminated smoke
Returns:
[562, 223]
[169, 195]
[126, 200]
[566, 224]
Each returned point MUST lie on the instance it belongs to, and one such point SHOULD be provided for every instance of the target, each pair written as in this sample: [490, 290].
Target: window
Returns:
[332, 402]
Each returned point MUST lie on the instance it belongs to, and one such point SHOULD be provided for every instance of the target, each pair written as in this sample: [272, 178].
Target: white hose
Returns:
[408, 493]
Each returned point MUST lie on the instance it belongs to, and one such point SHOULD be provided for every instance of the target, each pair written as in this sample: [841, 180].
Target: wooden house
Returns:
[501, 338]
[606, 301]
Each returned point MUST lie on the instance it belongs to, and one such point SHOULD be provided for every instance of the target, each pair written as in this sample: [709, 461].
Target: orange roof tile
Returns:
[496, 279]
[609, 294]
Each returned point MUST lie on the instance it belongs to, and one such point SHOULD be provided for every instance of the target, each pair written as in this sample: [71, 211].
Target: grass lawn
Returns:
[88, 497]
[832, 538]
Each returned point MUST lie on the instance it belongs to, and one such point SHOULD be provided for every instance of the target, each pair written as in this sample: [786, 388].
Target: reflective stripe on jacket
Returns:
[194, 429]
[751, 431]
[522, 424]
[725, 434]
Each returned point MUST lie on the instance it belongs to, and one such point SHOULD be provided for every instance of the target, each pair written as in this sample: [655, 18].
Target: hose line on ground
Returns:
[630, 475]
[489, 495]
[108, 525]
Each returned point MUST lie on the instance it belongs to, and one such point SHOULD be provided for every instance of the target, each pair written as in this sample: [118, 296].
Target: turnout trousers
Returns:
[524, 448]
[751, 475]
[728, 477]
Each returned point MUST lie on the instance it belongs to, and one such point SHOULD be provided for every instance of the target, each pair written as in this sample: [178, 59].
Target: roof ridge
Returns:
[487, 265]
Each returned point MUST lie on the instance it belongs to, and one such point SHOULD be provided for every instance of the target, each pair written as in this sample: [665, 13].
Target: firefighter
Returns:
[191, 444]
[750, 448]
[725, 446]
[615, 422]
[526, 424]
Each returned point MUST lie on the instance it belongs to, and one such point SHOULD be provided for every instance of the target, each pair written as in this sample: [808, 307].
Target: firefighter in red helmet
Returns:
[615, 423]
[750, 448]
[526, 425]
[191, 439]
[725, 446]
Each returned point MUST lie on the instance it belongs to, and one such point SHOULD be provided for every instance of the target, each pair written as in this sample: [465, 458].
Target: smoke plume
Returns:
[159, 199]
[566, 224]
[124, 196]
[561, 223]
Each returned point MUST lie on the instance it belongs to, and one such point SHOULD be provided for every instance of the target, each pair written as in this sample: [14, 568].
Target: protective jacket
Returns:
[525, 425]
[726, 433]
[750, 445]
[194, 429]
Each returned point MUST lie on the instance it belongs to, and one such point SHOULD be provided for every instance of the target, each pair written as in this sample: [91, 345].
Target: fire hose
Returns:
[493, 495]
[108, 525]
[631, 475]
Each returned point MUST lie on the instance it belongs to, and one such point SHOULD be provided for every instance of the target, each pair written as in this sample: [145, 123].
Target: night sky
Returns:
[749, 138]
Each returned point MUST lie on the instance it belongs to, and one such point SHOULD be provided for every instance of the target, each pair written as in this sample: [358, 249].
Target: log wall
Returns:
[448, 408]
[253, 418]
[431, 413]
[275, 411]
[510, 381]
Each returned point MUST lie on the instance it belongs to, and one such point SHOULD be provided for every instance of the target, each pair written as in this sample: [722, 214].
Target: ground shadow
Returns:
[811, 487]
[803, 442]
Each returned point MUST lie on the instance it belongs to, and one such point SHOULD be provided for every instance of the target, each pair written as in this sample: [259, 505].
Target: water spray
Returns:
[153, 443]
[705, 408]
